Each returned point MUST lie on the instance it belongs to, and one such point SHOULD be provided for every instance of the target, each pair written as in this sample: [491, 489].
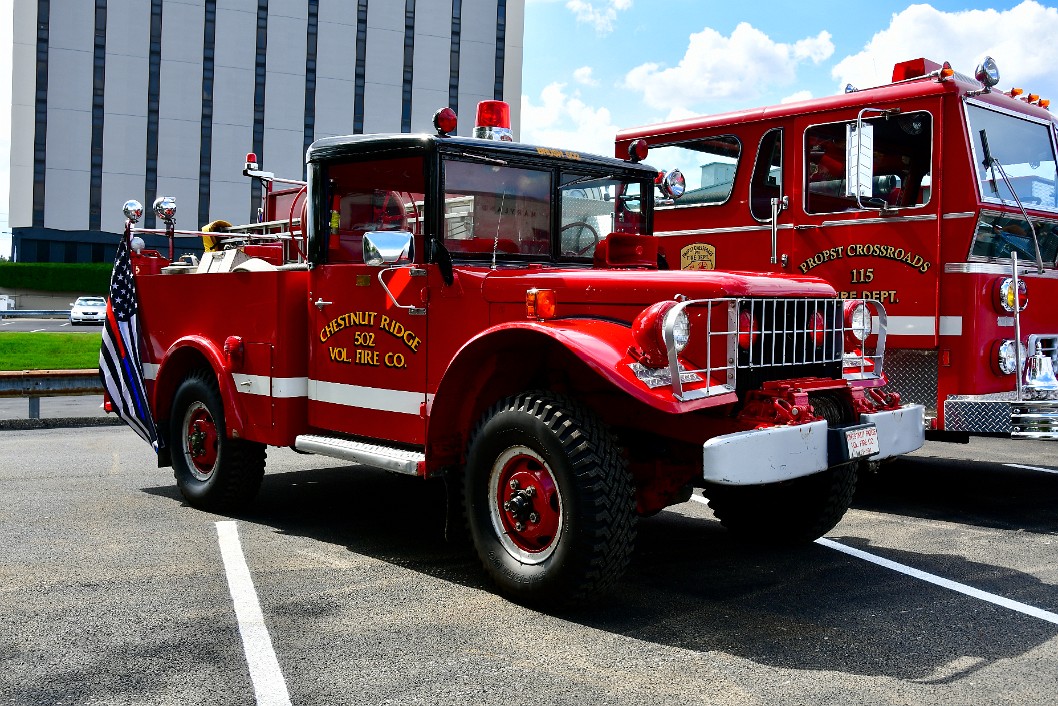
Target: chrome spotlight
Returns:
[165, 208]
[133, 210]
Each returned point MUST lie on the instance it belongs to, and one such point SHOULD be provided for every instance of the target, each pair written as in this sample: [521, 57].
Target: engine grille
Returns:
[787, 332]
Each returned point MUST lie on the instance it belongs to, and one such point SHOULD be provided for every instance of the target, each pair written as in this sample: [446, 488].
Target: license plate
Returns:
[862, 442]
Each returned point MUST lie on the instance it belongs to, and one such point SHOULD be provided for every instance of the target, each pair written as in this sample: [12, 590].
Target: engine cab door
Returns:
[367, 357]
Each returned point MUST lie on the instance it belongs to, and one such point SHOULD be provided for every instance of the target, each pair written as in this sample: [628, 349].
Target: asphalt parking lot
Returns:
[113, 591]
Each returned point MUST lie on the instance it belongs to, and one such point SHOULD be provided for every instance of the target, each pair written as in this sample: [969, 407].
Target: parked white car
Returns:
[88, 310]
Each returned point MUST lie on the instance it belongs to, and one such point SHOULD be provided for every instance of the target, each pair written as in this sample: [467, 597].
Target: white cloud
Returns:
[583, 76]
[718, 67]
[564, 121]
[799, 96]
[1018, 39]
[602, 14]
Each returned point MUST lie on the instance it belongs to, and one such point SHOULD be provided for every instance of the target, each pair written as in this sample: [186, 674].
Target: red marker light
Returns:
[445, 121]
[637, 151]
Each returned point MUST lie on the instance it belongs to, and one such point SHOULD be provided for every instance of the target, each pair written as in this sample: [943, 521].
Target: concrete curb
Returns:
[58, 423]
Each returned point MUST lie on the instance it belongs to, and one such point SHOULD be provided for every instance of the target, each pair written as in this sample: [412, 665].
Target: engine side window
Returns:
[894, 170]
[767, 175]
[490, 208]
[709, 165]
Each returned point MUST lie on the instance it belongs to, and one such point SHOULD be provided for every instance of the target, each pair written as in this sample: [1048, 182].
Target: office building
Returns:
[120, 99]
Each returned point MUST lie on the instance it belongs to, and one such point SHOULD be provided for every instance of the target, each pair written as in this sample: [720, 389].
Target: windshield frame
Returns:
[984, 198]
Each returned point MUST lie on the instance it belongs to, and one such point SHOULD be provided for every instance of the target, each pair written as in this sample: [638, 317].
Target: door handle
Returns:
[320, 303]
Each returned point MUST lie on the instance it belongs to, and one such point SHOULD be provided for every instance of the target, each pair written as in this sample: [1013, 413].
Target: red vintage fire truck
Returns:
[493, 313]
[934, 195]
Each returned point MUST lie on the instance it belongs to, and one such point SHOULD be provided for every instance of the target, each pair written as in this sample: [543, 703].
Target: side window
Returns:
[370, 196]
[491, 208]
[898, 164]
[767, 175]
[709, 165]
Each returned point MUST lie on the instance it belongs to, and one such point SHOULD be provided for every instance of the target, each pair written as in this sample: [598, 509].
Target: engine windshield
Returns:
[1024, 148]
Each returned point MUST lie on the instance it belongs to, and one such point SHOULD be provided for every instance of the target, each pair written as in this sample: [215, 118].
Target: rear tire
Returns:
[793, 512]
[212, 471]
[549, 500]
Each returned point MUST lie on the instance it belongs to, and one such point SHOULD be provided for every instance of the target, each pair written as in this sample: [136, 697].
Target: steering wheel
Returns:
[582, 228]
[392, 214]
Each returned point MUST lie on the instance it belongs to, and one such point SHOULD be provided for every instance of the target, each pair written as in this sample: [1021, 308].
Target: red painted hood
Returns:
[647, 287]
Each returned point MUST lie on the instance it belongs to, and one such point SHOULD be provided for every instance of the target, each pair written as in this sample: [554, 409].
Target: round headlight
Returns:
[1005, 294]
[648, 332]
[681, 330]
[858, 321]
[1005, 357]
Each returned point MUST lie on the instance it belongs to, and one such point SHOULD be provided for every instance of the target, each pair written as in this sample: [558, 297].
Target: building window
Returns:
[409, 58]
[361, 64]
[453, 72]
[311, 39]
[154, 70]
[260, 73]
[205, 153]
[40, 134]
[99, 63]
[501, 41]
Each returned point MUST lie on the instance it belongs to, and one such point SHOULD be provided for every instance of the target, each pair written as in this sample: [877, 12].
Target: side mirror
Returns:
[388, 247]
[859, 159]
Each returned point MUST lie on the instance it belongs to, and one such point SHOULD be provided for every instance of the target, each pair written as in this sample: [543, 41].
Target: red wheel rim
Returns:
[525, 504]
[201, 442]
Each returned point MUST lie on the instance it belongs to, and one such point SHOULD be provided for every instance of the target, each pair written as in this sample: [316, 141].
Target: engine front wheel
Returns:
[212, 471]
[549, 500]
[792, 512]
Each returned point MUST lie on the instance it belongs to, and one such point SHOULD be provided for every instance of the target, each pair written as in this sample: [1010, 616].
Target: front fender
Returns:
[191, 352]
[505, 359]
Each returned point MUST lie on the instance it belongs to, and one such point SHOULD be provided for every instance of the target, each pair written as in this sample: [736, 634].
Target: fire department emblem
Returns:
[698, 256]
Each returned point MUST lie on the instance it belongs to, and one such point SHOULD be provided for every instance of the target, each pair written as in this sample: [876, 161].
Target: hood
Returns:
[648, 286]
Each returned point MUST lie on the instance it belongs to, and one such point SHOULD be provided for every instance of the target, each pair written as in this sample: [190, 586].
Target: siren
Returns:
[494, 121]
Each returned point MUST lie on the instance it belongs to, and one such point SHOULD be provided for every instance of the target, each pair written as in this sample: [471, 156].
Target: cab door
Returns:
[367, 357]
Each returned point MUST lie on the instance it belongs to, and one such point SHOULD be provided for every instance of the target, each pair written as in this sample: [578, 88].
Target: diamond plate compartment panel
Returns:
[980, 416]
[914, 375]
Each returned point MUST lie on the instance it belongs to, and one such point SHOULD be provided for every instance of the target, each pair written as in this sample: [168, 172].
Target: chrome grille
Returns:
[789, 332]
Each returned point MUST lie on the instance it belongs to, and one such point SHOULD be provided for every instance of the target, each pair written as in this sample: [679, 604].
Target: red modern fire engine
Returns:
[493, 313]
[934, 195]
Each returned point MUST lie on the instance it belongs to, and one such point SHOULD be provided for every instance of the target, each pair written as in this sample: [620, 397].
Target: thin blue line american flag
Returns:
[119, 356]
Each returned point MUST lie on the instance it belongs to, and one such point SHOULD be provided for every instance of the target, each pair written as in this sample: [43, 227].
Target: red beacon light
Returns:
[251, 161]
[445, 121]
[494, 121]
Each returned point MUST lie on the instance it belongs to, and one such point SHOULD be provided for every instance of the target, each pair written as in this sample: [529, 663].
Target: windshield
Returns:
[591, 208]
[1024, 148]
[91, 301]
[504, 211]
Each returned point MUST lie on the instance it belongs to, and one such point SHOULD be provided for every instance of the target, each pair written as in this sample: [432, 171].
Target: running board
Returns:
[385, 457]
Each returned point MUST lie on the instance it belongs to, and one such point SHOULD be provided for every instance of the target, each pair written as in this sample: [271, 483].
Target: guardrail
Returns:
[35, 384]
[34, 313]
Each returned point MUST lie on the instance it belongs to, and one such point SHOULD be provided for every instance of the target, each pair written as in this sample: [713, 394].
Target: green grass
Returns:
[49, 351]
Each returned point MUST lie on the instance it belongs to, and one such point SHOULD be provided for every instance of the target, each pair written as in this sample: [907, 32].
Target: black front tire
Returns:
[570, 528]
[213, 472]
[793, 512]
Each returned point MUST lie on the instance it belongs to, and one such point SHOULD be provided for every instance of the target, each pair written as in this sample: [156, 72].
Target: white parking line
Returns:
[1031, 468]
[935, 580]
[38, 330]
[268, 684]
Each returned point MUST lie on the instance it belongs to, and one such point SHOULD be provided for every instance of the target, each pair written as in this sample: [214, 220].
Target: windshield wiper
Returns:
[581, 180]
[482, 158]
[992, 163]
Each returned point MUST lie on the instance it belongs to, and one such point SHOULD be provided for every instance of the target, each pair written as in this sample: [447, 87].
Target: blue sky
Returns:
[594, 66]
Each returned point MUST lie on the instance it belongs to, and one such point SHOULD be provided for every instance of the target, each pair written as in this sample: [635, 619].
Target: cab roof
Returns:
[345, 146]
